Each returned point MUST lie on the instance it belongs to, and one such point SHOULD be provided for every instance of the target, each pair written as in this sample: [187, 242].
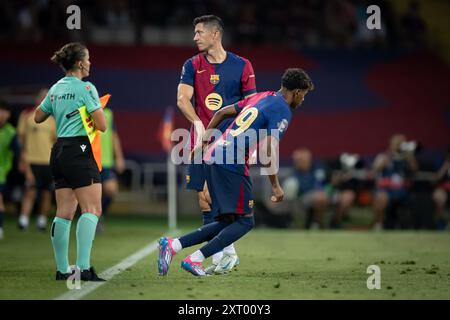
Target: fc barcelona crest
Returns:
[214, 78]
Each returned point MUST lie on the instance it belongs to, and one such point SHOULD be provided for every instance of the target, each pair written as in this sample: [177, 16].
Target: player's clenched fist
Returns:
[277, 194]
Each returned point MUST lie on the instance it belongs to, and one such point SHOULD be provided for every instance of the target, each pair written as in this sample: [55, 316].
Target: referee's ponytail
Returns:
[69, 55]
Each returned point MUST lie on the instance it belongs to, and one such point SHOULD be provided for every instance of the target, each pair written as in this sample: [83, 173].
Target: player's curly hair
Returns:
[296, 78]
[210, 20]
[69, 55]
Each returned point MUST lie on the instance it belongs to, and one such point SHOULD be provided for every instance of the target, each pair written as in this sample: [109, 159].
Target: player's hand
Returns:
[199, 133]
[277, 194]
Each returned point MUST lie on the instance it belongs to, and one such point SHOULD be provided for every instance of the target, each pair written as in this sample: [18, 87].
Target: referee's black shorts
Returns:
[73, 164]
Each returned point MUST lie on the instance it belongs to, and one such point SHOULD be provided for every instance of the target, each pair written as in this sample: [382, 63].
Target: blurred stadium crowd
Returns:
[402, 189]
[296, 23]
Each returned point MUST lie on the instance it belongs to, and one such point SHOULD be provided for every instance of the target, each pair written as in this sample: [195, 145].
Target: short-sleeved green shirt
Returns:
[63, 100]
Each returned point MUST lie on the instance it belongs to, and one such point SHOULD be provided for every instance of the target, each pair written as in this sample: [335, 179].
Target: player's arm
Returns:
[40, 116]
[184, 96]
[219, 116]
[271, 148]
[277, 123]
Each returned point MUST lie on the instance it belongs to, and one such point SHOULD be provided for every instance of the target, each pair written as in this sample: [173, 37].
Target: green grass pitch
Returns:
[275, 264]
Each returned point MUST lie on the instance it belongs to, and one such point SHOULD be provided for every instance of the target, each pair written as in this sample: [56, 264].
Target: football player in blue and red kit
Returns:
[212, 79]
[267, 115]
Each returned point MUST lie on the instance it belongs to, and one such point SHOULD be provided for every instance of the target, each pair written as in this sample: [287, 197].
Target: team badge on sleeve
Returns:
[282, 125]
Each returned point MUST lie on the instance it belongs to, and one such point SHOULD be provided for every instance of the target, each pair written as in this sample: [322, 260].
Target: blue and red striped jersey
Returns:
[265, 113]
[217, 84]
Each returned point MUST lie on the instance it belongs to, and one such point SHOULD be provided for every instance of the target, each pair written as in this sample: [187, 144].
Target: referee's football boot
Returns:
[64, 276]
[90, 275]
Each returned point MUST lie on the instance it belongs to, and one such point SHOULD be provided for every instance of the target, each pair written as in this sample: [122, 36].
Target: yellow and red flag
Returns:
[92, 133]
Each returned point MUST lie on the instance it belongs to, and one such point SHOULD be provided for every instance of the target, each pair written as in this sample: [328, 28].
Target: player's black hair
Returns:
[296, 78]
[69, 55]
[210, 20]
[5, 105]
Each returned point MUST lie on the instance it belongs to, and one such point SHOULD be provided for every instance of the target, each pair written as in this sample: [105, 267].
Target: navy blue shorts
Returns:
[107, 174]
[230, 192]
[2, 187]
[195, 177]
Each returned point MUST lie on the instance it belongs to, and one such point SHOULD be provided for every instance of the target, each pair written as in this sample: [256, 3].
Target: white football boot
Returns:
[227, 263]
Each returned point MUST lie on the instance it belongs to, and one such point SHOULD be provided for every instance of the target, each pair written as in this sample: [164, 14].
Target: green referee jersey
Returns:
[63, 100]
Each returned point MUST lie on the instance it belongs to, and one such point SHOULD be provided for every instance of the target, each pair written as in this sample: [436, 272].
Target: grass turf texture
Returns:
[275, 264]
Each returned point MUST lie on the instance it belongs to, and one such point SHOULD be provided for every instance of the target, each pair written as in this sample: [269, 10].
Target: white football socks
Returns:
[197, 256]
[229, 249]
[176, 245]
[217, 257]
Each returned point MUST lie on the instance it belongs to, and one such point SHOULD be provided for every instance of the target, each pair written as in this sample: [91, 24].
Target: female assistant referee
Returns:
[74, 170]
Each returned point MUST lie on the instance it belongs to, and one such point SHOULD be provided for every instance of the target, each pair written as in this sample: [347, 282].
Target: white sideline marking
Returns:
[108, 274]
